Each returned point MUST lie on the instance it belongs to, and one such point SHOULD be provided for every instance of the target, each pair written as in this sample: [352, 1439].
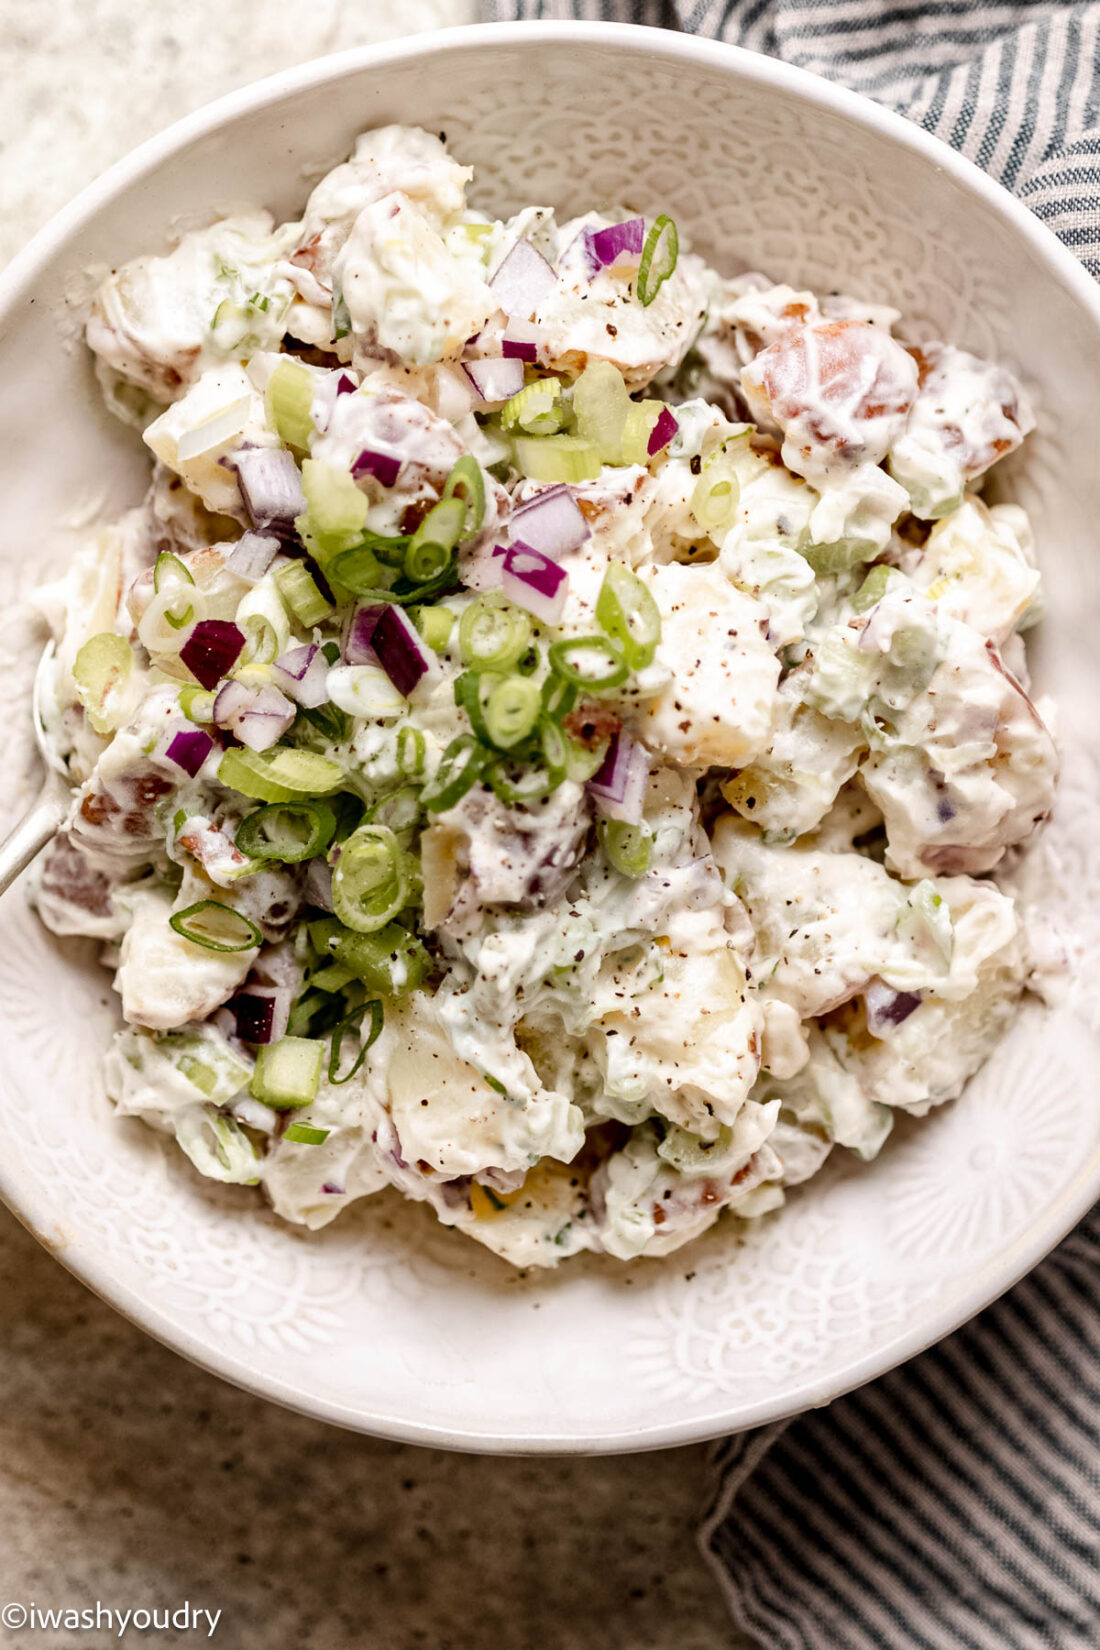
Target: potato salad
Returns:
[543, 741]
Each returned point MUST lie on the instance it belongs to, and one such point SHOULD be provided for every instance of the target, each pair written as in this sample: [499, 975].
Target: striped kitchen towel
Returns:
[955, 1503]
[1014, 86]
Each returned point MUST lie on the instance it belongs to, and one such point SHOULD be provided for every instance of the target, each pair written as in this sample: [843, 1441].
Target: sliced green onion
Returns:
[216, 927]
[375, 1010]
[196, 703]
[512, 710]
[169, 572]
[435, 625]
[467, 483]
[289, 831]
[358, 571]
[536, 409]
[459, 769]
[304, 1134]
[288, 1073]
[469, 688]
[429, 549]
[492, 633]
[601, 402]
[288, 401]
[555, 750]
[262, 641]
[263, 618]
[229, 324]
[410, 751]
[405, 592]
[557, 458]
[389, 548]
[625, 608]
[659, 255]
[369, 884]
[301, 593]
[399, 809]
[279, 775]
[517, 787]
[592, 662]
[341, 318]
[318, 727]
[716, 495]
[582, 763]
[391, 961]
[558, 697]
[629, 848]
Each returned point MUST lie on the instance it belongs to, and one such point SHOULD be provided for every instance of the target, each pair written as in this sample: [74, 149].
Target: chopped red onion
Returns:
[251, 556]
[552, 522]
[662, 432]
[495, 378]
[519, 349]
[887, 1008]
[619, 788]
[380, 633]
[620, 243]
[384, 467]
[319, 884]
[189, 750]
[262, 1013]
[522, 279]
[535, 582]
[303, 673]
[259, 716]
[271, 486]
[212, 649]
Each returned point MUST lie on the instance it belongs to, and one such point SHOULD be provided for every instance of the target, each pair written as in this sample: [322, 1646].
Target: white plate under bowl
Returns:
[386, 1322]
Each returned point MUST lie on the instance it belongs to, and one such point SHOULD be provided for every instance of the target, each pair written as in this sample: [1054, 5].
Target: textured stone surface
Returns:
[126, 1475]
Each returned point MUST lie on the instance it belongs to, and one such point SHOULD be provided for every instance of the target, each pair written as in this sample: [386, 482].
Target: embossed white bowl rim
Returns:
[987, 1280]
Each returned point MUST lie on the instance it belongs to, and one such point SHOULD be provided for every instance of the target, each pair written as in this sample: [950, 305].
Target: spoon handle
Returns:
[34, 831]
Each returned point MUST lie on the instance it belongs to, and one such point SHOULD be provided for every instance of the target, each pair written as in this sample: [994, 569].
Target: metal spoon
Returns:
[40, 824]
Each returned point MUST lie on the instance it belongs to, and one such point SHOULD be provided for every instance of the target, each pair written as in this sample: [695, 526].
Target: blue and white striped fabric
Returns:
[1014, 86]
[954, 1504]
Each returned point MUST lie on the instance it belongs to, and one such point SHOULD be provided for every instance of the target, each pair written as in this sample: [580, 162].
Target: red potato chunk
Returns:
[840, 392]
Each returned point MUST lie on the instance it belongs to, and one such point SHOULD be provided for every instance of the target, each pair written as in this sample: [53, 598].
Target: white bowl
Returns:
[387, 1322]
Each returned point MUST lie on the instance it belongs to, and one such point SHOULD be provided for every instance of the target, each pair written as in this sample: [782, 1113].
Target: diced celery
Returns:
[288, 401]
[101, 671]
[300, 592]
[601, 403]
[641, 421]
[288, 1073]
[336, 511]
[872, 589]
[827, 560]
[557, 458]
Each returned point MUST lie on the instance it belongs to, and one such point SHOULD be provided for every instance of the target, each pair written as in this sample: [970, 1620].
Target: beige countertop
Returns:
[126, 1475]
